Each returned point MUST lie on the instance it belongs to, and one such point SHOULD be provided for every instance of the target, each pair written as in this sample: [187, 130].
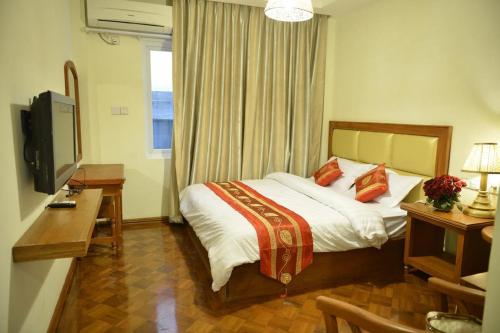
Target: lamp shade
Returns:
[484, 157]
[289, 10]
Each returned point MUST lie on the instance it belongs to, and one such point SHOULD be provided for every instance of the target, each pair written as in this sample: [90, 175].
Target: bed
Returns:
[339, 257]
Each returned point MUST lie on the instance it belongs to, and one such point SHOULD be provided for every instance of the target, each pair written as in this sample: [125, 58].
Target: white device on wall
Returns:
[129, 16]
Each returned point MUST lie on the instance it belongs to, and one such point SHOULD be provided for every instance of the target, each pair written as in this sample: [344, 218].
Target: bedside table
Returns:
[424, 242]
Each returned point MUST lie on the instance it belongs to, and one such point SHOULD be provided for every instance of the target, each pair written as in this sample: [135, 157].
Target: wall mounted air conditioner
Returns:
[125, 15]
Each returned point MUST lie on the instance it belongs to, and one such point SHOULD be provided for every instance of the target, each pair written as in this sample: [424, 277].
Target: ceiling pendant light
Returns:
[289, 10]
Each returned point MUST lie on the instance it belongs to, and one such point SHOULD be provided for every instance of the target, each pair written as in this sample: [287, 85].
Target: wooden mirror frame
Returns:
[69, 66]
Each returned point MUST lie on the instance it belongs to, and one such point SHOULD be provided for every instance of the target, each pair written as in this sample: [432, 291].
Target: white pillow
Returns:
[350, 171]
[399, 187]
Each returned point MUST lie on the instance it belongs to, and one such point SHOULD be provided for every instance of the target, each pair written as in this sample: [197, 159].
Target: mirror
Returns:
[72, 90]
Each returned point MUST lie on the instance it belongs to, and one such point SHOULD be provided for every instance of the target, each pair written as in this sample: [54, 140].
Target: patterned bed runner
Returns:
[285, 239]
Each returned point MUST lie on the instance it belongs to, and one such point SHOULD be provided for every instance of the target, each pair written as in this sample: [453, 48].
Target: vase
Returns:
[442, 205]
[447, 210]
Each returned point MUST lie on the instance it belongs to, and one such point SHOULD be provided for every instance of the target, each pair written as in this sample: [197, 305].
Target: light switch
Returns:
[115, 110]
[124, 110]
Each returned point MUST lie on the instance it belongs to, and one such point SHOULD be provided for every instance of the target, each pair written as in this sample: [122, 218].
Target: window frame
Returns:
[148, 46]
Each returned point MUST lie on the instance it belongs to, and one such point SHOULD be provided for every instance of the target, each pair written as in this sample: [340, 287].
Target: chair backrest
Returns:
[357, 318]
[469, 300]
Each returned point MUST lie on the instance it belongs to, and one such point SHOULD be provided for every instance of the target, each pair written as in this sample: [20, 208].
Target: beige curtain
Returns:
[248, 93]
[285, 89]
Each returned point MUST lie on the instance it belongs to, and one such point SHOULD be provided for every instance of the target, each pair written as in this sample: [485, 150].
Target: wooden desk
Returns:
[61, 232]
[110, 178]
[425, 237]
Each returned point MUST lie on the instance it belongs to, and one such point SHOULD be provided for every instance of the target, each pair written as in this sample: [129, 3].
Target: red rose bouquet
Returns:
[443, 191]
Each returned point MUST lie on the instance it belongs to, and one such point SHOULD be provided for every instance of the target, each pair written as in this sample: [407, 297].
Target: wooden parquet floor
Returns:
[152, 287]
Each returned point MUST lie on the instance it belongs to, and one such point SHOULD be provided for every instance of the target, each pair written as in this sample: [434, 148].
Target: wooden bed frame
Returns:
[330, 269]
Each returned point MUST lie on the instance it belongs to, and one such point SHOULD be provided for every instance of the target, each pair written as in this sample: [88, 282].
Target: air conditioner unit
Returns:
[125, 15]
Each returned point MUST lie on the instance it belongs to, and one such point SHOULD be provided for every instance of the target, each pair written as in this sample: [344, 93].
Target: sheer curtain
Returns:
[248, 93]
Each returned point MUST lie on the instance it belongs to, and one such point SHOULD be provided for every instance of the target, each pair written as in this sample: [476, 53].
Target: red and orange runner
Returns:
[285, 239]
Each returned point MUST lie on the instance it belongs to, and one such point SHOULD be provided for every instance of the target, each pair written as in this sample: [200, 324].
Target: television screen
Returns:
[51, 141]
[62, 133]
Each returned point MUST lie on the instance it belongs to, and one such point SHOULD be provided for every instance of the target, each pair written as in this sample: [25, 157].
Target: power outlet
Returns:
[116, 110]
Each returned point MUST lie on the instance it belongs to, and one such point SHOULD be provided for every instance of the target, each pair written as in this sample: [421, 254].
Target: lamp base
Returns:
[481, 207]
[485, 214]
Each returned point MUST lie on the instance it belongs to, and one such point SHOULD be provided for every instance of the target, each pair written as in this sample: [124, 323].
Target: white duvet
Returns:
[337, 223]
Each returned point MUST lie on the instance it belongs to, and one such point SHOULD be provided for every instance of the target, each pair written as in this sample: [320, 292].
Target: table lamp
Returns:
[484, 159]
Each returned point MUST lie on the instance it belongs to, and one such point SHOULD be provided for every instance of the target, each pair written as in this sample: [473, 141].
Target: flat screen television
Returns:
[50, 147]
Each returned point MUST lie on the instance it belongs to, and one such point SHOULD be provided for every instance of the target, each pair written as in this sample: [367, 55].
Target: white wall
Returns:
[420, 62]
[36, 41]
[113, 75]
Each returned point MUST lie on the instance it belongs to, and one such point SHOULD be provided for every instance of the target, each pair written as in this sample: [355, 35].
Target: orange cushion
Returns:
[371, 184]
[327, 173]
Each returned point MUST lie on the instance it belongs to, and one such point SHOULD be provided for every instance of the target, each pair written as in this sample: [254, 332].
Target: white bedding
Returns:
[337, 223]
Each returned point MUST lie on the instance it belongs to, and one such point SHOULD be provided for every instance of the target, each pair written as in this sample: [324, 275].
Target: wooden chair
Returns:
[468, 300]
[357, 318]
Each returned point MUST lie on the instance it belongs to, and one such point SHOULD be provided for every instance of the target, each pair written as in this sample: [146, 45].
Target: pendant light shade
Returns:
[289, 10]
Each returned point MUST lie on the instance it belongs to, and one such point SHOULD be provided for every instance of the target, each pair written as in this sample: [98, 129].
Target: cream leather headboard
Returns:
[418, 150]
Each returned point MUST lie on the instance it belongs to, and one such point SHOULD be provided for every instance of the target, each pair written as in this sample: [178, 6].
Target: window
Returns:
[160, 115]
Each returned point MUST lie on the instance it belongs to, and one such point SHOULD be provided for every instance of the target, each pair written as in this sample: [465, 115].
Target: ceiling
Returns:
[327, 7]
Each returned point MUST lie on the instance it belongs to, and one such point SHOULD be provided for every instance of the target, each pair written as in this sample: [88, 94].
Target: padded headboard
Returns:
[420, 150]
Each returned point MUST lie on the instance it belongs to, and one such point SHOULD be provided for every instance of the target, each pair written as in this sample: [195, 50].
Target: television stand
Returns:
[61, 233]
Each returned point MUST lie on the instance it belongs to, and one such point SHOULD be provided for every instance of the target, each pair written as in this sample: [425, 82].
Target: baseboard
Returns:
[142, 221]
[56, 316]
